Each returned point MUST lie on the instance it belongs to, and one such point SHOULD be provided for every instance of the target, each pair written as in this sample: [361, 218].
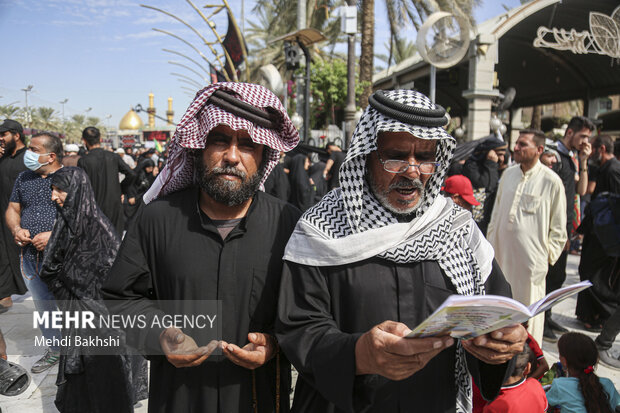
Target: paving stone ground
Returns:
[39, 397]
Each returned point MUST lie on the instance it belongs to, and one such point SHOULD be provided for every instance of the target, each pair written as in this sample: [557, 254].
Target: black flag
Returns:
[232, 45]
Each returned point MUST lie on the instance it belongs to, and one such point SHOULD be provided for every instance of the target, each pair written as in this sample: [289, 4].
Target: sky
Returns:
[104, 55]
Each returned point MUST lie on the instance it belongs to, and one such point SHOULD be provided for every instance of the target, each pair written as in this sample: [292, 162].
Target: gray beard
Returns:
[382, 196]
[224, 191]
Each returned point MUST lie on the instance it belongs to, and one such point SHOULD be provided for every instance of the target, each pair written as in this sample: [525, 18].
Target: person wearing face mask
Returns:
[30, 216]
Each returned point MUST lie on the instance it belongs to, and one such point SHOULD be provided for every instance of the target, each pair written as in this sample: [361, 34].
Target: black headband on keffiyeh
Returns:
[350, 224]
[204, 114]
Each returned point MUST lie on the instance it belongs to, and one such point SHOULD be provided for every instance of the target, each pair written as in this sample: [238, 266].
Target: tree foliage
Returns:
[329, 92]
[47, 119]
[277, 18]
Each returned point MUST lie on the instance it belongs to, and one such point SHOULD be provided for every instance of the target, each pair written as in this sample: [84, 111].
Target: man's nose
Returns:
[231, 155]
[412, 171]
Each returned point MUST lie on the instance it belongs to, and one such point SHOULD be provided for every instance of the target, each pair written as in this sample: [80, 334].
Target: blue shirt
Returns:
[34, 194]
[565, 393]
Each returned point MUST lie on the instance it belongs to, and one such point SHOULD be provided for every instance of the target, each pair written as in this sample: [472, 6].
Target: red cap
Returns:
[460, 185]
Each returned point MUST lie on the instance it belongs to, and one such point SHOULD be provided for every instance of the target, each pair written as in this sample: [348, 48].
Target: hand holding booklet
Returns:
[468, 316]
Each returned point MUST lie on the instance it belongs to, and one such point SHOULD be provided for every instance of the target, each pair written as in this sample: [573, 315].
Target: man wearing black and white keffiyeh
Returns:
[374, 259]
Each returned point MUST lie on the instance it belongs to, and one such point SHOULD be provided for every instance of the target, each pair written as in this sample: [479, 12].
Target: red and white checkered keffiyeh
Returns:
[201, 117]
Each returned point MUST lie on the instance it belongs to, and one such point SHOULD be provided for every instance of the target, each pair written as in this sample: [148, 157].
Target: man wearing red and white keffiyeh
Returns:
[207, 235]
[202, 116]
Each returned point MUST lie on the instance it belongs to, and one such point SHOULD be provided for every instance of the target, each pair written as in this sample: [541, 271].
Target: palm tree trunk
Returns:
[536, 117]
[367, 53]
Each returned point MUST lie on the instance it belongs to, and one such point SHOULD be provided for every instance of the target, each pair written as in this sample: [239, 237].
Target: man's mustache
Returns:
[408, 184]
[228, 170]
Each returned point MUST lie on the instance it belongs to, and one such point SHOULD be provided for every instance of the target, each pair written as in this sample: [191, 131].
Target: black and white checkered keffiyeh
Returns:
[333, 231]
[202, 116]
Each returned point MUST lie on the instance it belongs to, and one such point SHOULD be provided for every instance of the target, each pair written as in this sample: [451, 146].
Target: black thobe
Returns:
[338, 157]
[595, 265]
[567, 169]
[302, 193]
[11, 281]
[277, 183]
[103, 168]
[324, 310]
[172, 251]
[483, 173]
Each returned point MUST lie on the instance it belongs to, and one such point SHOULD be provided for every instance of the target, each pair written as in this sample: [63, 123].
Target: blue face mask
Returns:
[31, 160]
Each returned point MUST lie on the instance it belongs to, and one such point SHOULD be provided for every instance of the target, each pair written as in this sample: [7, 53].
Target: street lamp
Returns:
[304, 38]
[63, 102]
[26, 90]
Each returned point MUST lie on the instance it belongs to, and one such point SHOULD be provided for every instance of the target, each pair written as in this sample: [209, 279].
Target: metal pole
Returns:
[433, 83]
[301, 24]
[301, 14]
[349, 110]
[27, 114]
[307, 93]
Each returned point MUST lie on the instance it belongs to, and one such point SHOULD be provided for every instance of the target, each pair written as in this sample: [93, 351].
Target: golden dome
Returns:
[131, 121]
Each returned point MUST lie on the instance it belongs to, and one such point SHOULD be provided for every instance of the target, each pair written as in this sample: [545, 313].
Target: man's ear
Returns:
[527, 370]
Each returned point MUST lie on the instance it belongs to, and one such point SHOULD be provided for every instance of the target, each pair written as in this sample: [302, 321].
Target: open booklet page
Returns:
[471, 316]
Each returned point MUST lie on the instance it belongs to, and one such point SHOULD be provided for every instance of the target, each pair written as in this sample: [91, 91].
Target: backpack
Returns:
[605, 209]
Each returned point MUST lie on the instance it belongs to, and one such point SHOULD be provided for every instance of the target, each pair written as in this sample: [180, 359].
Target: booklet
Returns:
[468, 316]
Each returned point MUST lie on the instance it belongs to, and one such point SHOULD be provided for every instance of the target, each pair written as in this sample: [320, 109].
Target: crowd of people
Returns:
[328, 269]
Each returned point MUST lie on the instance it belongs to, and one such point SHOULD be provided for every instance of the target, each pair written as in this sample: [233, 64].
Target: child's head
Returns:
[579, 355]
[522, 364]
[577, 351]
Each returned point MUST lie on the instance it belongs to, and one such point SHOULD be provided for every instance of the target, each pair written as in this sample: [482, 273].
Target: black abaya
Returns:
[302, 194]
[78, 256]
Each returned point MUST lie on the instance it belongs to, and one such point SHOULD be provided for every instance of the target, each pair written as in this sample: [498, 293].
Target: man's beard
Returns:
[230, 193]
[9, 146]
[382, 196]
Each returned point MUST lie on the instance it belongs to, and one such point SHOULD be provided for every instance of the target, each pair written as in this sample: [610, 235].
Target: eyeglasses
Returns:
[396, 166]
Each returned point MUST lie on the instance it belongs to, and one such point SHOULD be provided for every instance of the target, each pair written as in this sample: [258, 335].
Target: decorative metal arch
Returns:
[221, 59]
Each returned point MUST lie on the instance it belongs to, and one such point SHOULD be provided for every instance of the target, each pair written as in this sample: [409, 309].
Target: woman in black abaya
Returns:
[80, 251]
[302, 193]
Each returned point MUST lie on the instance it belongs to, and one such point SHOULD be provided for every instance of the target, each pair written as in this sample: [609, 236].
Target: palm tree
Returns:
[9, 111]
[403, 49]
[45, 119]
[399, 13]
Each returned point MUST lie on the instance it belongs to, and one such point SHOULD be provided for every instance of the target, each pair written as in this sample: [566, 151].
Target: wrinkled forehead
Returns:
[404, 142]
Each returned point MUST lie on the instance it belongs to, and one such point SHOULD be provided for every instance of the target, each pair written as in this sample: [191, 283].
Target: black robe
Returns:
[596, 304]
[302, 193]
[338, 157]
[320, 184]
[323, 311]
[11, 281]
[277, 183]
[173, 251]
[78, 256]
[103, 168]
[140, 185]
